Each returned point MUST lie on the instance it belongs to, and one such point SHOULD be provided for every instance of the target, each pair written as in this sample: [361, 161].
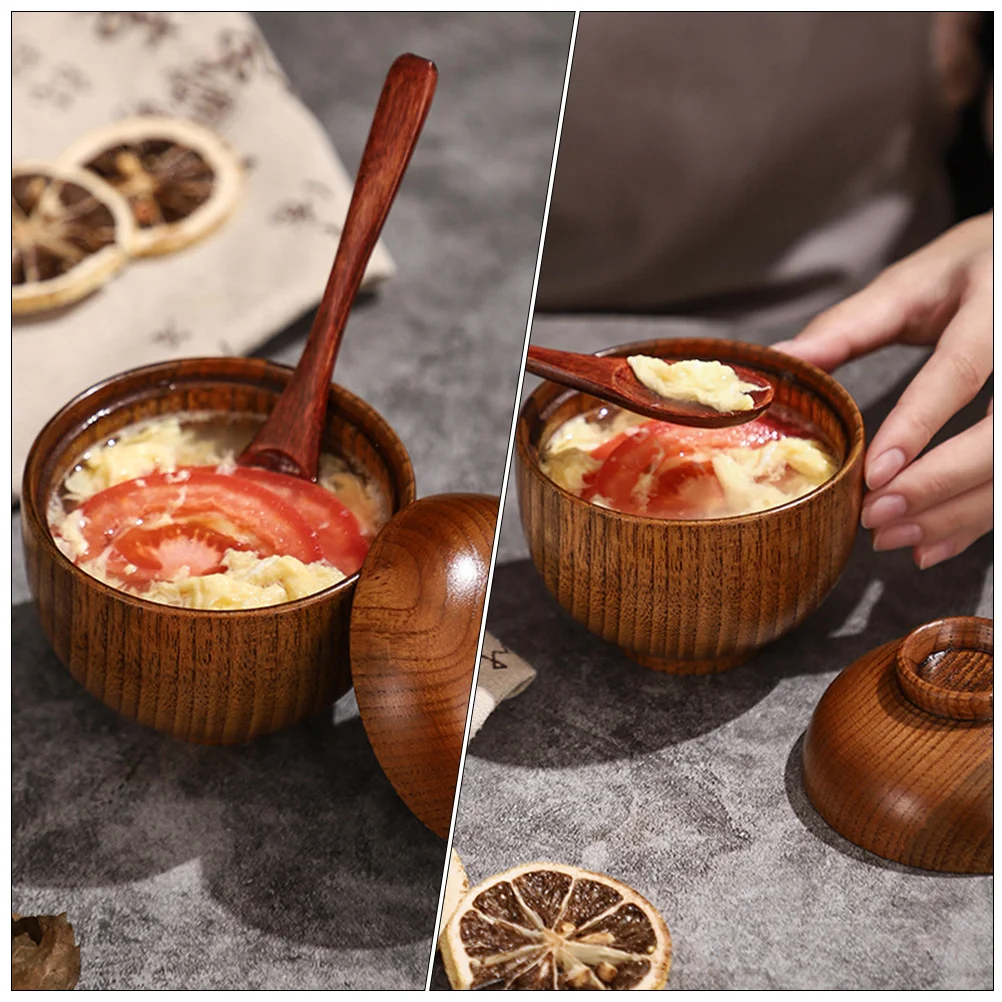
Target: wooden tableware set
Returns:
[898, 756]
[403, 630]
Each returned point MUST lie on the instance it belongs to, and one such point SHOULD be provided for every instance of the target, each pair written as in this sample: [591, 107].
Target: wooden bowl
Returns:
[698, 596]
[209, 677]
[414, 634]
[898, 754]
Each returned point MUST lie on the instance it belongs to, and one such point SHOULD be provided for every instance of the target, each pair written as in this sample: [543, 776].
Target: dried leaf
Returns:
[44, 953]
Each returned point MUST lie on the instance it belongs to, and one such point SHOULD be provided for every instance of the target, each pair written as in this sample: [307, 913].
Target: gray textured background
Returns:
[290, 862]
[689, 788]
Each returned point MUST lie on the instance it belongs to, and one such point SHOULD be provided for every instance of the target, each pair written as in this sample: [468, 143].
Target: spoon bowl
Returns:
[610, 378]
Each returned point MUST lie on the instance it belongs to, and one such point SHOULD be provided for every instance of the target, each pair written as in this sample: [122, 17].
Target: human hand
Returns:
[940, 502]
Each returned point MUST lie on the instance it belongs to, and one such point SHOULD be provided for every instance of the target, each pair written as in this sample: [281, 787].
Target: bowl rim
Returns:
[785, 365]
[31, 516]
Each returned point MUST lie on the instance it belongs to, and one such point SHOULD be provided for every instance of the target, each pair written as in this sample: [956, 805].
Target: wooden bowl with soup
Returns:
[691, 549]
[207, 602]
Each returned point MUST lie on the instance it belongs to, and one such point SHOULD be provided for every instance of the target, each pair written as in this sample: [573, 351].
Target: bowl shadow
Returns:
[589, 702]
[298, 834]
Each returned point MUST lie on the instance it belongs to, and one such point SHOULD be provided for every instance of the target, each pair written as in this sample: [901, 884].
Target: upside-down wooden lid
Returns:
[898, 754]
[415, 624]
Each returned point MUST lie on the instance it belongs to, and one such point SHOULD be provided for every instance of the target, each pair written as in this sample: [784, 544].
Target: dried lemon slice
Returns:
[546, 927]
[70, 232]
[180, 179]
[457, 884]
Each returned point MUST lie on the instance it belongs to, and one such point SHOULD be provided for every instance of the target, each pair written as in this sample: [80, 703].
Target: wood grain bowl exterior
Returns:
[414, 634]
[208, 677]
[693, 597]
[907, 773]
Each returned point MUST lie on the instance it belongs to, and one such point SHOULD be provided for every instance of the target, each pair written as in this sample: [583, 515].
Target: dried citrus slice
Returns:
[180, 179]
[70, 232]
[457, 884]
[546, 927]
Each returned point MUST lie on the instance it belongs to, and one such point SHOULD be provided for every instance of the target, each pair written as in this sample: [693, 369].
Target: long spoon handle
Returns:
[289, 441]
[589, 373]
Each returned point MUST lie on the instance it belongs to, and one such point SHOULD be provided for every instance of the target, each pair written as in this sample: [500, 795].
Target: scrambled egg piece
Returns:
[757, 479]
[248, 583]
[155, 446]
[569, 467]
[710, 383]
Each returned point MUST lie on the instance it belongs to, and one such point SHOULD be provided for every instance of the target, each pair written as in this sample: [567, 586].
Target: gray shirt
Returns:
[749, 165]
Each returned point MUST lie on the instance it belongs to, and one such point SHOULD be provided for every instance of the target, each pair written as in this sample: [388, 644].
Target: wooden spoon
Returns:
[611, 378]
[289, 441]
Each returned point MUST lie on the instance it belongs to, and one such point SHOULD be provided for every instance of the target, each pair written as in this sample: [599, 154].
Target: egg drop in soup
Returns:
[625, 462]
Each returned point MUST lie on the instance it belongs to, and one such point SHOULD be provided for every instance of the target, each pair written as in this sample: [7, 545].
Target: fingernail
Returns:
[936, 554]
[883, 510]
[884, 468]
[896, 536]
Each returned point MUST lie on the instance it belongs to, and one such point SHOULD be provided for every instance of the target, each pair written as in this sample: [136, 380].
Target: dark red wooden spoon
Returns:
[289, 441]
[610, 378]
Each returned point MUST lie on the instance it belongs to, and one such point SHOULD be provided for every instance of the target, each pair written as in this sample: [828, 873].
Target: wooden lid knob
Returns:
[946, 668]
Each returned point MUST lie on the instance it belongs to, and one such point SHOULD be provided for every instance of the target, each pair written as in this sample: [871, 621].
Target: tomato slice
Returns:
[141, 555]
[648, 473]
[200, 498]
[335, 525]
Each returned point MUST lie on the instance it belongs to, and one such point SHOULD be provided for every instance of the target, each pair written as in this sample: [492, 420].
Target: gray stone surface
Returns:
[290, 862]
[689, 788]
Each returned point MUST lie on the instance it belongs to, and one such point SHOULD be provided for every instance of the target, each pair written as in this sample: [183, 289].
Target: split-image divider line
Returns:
[501, 501]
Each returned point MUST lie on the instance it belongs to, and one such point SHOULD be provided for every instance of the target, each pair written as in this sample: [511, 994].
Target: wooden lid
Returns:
[898, 754]
[415, 625]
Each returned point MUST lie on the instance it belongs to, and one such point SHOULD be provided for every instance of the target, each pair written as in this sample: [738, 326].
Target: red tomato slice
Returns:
[141, 555]
[647, 474]
[636, 455]
[199, 497]
[606, 449]
[686, 489]
[336, 527]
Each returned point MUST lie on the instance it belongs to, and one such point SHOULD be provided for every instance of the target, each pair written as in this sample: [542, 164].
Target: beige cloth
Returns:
[503, 675]
[748, 165]
[267, 264]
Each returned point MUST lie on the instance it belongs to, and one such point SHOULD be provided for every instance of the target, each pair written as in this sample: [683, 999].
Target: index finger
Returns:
[870, 319]
[951, 378]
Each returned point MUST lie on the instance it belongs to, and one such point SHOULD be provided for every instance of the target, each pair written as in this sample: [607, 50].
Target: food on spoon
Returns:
[546, 926]
[180, 180]
[162, 512]
[70, 233]
[625, 462]
[712, 384]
